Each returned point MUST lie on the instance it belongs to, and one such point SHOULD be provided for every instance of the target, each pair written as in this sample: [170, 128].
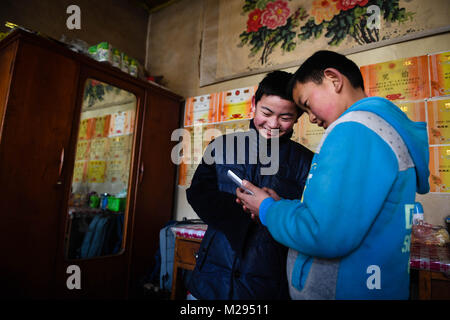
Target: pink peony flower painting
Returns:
[275, 15]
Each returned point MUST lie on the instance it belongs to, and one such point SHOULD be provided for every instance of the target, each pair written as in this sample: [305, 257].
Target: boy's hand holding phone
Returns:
[250, 196]
[238, 181]
[251, 202]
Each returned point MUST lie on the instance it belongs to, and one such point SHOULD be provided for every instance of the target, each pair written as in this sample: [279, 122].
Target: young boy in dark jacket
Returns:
[238, 258]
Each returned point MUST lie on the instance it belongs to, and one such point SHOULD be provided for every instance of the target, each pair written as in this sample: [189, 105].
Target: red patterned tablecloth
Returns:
[193, 231]
[423, 257]
[433, 258]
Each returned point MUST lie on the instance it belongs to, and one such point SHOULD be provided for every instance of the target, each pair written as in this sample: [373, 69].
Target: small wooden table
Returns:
[186, 250]
[187, 244]
[433, 285]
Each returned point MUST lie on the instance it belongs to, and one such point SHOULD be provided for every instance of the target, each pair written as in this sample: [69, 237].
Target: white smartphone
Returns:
[238, 181]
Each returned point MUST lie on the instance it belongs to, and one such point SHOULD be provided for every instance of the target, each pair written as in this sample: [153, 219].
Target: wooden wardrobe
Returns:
[42, 87]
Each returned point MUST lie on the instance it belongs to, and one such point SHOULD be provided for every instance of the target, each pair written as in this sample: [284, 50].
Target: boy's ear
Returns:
[336, 78]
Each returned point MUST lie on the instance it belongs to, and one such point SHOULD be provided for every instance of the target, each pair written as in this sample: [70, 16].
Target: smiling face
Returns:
[273, 112]
[319, 101]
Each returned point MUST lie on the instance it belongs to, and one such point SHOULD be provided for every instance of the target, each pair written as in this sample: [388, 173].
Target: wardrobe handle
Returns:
[141, 172]
[61, 163]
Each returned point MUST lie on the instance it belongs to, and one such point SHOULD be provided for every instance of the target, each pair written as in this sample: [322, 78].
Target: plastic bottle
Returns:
[418, 214]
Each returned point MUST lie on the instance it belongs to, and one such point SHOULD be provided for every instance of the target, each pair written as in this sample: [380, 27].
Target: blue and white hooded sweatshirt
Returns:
[350, 234]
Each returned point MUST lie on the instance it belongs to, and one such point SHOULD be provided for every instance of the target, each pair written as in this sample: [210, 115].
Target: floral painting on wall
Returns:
[271, 23]
[252, 36]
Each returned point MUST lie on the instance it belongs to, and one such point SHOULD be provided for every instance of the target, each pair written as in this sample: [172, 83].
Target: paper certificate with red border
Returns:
[102, 126]
[201, 109]
[438, 111]
[440, 169]
[121, 122]
[440, 74]
[402, 79]
[236, 104]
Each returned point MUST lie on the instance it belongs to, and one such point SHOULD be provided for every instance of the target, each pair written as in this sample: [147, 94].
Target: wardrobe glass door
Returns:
[99, 192]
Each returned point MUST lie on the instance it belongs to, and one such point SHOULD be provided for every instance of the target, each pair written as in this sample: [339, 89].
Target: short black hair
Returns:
[312, 69]
[276, 83]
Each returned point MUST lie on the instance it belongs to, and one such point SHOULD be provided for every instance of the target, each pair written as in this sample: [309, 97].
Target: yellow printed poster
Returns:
[101, 126]
[438, 121]
[236, 104]
[79, 171]
[96, 171]
[201, 110]
[440, 169]
[82, 132]
[86, 129]
[402, 79]
[309, 134]
[415, 110]
[99, 149]
[440, 74]
[82, 152]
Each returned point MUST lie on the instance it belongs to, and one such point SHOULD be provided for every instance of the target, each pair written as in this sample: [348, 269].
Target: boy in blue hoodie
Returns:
[349, 236]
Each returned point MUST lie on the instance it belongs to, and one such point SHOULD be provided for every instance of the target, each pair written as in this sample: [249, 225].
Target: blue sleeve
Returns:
[348, 183]
[263, 207]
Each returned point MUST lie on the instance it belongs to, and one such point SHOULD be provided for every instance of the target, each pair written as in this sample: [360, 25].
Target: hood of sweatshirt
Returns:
[414, 134]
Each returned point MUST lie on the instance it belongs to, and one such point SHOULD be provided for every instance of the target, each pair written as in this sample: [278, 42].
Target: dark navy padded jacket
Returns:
[238, 258]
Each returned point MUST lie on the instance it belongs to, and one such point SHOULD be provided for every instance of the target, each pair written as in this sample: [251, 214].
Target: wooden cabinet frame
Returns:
[42, 84]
